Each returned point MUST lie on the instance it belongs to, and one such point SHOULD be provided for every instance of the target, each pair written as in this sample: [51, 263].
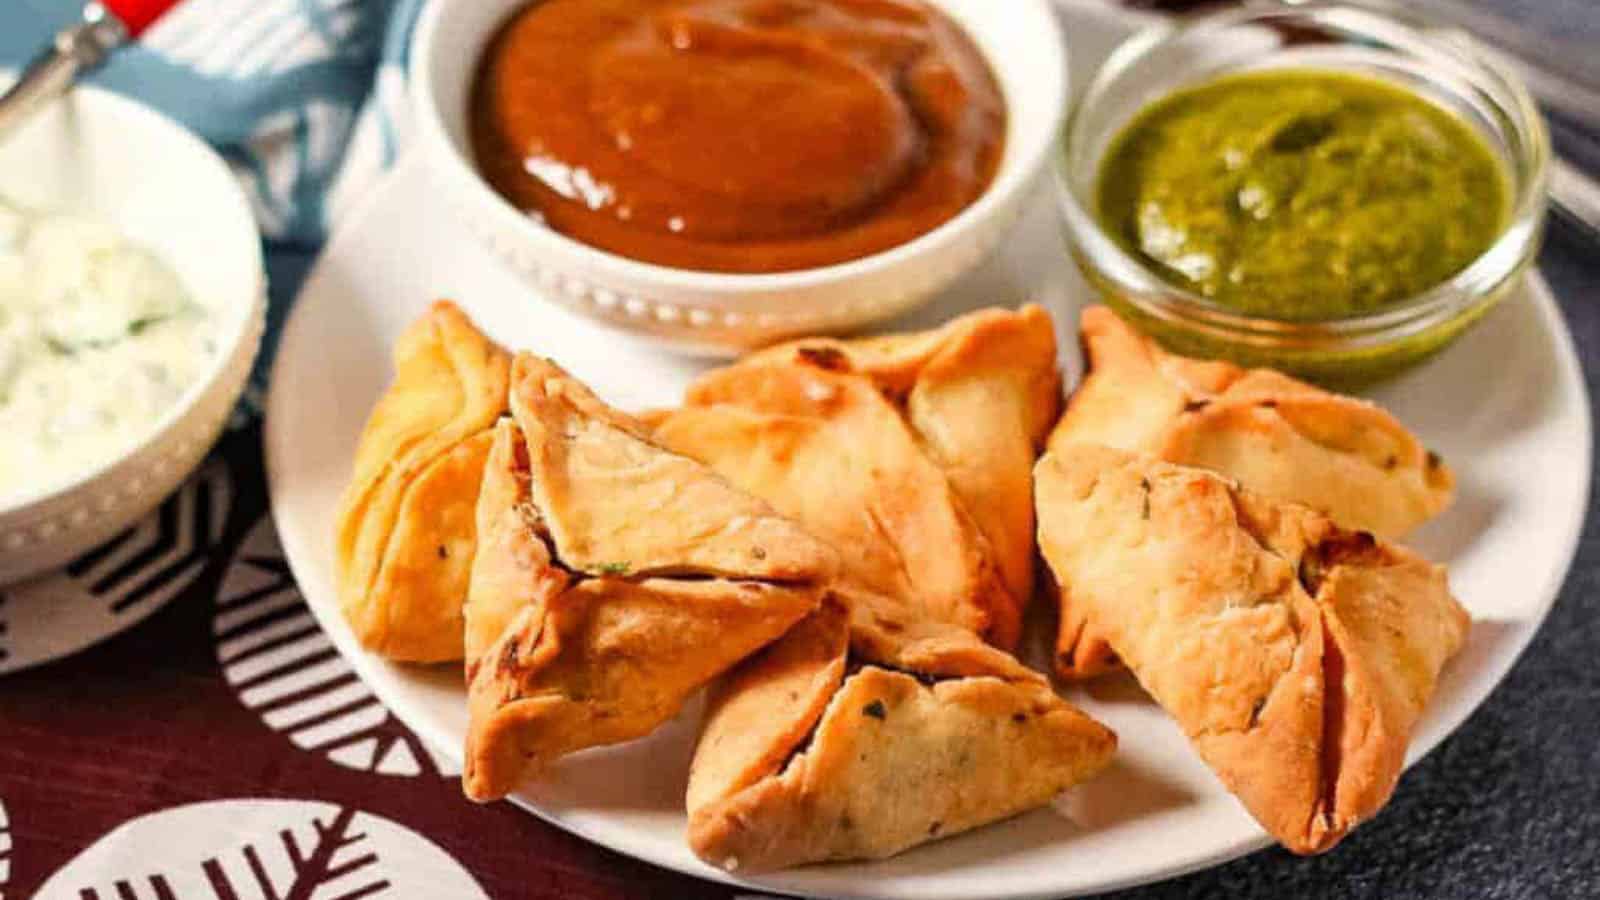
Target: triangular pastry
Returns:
[1276, 436]
[405, 534]
[884, 720]
[812, 753]
[613, 580]
[1295, 654]
[910, 454]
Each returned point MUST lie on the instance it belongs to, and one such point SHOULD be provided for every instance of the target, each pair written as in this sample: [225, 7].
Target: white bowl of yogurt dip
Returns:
[132, 301]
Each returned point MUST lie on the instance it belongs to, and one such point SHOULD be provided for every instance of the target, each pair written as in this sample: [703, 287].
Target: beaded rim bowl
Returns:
[722, 312]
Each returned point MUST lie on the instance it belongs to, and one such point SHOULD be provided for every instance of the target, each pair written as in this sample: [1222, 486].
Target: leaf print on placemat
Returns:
[308, 869]
[120, 583]
[284, 668]
[261, 850]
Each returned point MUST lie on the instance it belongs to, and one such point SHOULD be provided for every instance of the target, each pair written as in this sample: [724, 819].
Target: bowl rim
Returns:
[1513, 246]
[1015, 172]
[26, 504]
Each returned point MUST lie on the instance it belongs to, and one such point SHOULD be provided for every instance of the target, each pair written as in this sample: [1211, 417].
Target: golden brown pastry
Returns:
[884, 720]
[405, 535]
[1277, 436]
[910, 454]
[811, 753]
[1274, 435]
[613, 580]
[1295, 654]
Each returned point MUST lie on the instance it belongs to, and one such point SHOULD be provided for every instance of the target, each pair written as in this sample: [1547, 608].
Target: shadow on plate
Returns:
[1497, 381]
[647, 775]
[1486, 642]
[1124, 792]
[1450, 536]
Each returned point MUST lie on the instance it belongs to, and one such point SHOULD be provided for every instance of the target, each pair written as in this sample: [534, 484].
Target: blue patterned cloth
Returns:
[304, 97]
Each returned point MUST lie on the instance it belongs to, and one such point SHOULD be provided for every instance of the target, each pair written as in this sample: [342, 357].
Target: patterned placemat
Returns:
[214, 745]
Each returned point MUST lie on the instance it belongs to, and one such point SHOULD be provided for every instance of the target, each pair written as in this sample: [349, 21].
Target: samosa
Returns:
[884, 720]
[1277, 436]
[910, 454]
[813, 752]
[1295, 654]
[612, 581]
[405, 533]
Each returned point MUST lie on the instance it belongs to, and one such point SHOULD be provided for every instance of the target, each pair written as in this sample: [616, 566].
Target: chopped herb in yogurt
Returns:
[99, 339]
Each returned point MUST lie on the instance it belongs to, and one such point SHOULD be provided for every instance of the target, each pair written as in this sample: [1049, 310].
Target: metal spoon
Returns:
[1576, 197]
[103, 27]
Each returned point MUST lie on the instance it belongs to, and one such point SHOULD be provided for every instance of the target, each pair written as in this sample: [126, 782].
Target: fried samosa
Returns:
[1295, 654]
[811, 753]
[1280, 437]
[910, 454]
[612, 581]
[406, 533]
[884, 720]
[1276, 436]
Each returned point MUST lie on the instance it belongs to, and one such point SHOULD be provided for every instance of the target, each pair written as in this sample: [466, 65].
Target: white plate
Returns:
[1506, 405]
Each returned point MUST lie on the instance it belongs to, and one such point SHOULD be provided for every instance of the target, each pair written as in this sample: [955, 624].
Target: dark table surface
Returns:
[1508, 807]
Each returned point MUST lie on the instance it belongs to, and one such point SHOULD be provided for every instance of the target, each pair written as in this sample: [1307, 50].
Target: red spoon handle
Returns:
[138, 15]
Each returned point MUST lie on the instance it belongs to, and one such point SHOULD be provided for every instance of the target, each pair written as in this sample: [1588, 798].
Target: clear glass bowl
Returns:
[1444, 65]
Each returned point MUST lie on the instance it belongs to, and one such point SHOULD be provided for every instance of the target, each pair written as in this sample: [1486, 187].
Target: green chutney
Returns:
[1302, 195]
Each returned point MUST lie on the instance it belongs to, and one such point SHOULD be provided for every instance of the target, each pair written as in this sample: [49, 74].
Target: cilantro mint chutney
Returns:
[1301, 194]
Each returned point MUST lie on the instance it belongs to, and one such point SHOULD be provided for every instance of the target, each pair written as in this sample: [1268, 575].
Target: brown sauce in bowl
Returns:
[737, 135]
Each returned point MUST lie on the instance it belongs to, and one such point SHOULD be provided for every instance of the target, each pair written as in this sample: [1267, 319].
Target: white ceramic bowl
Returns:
[718, 311]
[98, 153]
